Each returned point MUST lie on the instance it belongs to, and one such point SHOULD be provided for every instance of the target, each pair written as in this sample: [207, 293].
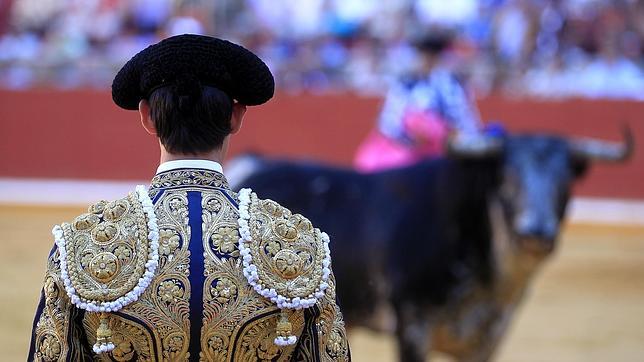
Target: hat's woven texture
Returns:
[194, 60]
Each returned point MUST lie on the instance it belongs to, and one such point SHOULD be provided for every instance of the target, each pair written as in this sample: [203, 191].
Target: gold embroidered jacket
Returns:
[199, 304]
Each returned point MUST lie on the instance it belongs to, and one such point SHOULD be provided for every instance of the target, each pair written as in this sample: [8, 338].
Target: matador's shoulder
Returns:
[285, 258]
[109, 254]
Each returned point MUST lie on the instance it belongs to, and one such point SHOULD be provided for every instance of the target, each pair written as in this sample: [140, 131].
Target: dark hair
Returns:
[191, 122]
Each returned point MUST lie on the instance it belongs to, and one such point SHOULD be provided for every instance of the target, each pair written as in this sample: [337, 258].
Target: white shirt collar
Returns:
[201, 164]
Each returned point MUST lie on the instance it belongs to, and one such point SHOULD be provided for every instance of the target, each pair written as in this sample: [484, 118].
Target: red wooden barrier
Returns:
[82, 134]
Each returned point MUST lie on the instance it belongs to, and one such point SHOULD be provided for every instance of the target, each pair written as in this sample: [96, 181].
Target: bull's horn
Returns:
[473, 145]
[593, 149]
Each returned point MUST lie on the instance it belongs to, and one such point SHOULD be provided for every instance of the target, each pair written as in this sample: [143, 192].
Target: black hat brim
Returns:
[210, 61]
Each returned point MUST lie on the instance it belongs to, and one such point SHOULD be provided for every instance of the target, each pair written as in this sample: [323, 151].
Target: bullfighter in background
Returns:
[188, 269]
[419, 111]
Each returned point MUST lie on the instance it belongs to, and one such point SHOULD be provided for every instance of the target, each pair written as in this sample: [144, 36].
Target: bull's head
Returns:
[536, 176]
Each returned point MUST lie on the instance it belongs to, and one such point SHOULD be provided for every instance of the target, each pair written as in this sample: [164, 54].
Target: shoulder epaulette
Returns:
[285, 258]
[108, 256]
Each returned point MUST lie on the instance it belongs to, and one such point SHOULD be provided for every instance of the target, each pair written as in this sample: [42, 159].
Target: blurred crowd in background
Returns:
[545, 48]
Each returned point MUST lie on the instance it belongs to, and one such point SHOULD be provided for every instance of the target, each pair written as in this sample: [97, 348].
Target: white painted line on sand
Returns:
[606, 211]
[59, 192]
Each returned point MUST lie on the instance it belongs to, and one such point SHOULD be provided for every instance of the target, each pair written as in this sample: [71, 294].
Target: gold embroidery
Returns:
[98, 207]
[104, 232]
[231, 303]
[288, 264]
[106, 258]
[331, 330]
[225, 241]
[124, 350]
[114, 210]
[219, 217]
[170, 291]
[284, 327]
[224, 290]
[168, 242]
[51, 329]
[103, 332]
[50, 348]
[164, 306]
[238, 323]
[255, 340]
[216, 348]
[86, 221]
[191, 177]
[287, 251]
[51, 290]
[130, 339]
[175, 346]
[123, 253]
[227, 298]
[104, 267]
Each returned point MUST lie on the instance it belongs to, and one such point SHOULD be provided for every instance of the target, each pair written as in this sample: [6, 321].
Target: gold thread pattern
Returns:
[238, 323]
[163, 308]
[286, 249]
[132, 342]
[188, 177]
[95, 271]
[332, 335]
[230, 304]
[50, 336]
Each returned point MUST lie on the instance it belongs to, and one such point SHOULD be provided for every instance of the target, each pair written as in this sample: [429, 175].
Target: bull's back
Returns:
[387, 229]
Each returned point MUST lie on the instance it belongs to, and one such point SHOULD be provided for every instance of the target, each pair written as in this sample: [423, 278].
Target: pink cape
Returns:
[379, 152]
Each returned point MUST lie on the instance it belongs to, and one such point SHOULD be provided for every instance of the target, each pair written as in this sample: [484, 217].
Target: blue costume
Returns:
[189, 270]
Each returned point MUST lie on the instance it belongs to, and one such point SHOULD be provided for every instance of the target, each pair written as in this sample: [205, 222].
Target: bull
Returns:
[440, 253]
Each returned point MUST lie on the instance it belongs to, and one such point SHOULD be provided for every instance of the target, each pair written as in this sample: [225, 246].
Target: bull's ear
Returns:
[579, 166]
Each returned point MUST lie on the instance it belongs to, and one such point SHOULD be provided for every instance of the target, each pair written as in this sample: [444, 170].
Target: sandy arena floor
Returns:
[587, 304]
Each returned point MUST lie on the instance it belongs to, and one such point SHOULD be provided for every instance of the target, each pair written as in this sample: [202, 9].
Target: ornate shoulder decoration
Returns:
[285, 258]
[108, 256]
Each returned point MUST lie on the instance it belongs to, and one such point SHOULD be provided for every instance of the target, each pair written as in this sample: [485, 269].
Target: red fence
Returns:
[82, 134]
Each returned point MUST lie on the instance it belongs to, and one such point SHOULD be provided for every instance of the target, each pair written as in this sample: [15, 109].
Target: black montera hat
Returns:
[188, 61]
[433, 42]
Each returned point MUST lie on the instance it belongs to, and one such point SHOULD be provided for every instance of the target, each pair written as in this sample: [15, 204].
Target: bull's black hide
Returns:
[414, 232]
[448, 244]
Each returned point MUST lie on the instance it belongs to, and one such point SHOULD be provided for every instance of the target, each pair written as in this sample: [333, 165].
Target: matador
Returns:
[187, 269]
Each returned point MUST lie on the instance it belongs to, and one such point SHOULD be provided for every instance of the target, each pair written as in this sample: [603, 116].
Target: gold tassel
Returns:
[103, 335]
[284, 330]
